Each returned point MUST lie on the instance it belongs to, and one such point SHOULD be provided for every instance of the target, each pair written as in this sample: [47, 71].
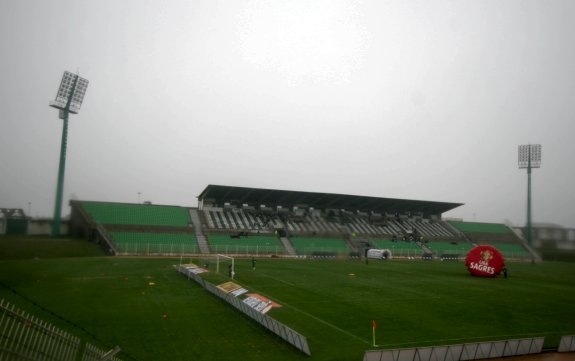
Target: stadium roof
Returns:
[220, 195]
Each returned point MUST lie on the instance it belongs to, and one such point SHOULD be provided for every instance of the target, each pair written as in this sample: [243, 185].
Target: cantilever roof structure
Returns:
[220, 195]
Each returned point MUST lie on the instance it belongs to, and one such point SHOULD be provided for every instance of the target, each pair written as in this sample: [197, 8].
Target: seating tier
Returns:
[253, 244]
[310, 245]
[155, 243]
[137, 214]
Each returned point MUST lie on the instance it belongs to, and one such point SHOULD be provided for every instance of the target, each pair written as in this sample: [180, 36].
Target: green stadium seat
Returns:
[155, 243]
[137, 214]
[310, 245]
[251, 244]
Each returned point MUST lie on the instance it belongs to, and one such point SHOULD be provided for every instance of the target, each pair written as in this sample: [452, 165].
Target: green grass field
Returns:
[112, 301]
[30, 247]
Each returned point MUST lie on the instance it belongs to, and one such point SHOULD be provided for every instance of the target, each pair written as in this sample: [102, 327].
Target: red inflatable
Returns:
[485, 261]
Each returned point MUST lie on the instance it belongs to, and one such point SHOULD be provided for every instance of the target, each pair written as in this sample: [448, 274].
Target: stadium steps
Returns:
[288, 246]
[425, 248]
[456, 231]
[83, 213]
[536, 257]
[446, 229]
[358, 244]
[469, 239]
[201, 239]
[351, 244]
[113, 247]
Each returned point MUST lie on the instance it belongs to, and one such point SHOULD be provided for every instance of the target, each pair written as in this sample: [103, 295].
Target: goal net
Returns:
[226, 264]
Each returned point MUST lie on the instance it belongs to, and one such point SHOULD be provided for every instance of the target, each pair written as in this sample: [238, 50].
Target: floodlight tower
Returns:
[68, 100]
[529, 157]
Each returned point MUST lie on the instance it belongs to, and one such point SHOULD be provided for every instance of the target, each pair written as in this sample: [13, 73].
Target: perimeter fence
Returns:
[287, 334]
[567, 344]
[156, 249]
[25, 337]
[460, 352]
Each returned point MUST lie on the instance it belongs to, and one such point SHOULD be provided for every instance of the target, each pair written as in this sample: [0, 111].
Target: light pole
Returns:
[529, 157]
[68, 100]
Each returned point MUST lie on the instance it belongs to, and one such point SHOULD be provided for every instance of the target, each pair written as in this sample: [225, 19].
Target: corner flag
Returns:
[374, 326]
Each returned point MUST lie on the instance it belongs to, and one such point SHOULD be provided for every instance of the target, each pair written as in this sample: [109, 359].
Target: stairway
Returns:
[202, 242]
[288, 246]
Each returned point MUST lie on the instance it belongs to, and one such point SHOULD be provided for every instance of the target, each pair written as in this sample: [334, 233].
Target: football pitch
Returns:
[155, 313]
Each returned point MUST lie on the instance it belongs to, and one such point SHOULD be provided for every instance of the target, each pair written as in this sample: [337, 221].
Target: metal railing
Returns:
[567, 344]
[25, 337]
[154, 249]
[246, 249]
[287, 334]
[460, 352]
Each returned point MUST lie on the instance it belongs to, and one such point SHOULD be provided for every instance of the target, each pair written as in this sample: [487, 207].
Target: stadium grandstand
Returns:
[244, 221]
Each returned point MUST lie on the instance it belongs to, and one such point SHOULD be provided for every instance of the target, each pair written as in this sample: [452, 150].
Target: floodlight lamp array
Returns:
[530, 156]
[70, 82]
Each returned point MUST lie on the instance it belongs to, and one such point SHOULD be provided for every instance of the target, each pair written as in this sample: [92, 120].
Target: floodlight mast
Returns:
[529, 157]
[68, 100]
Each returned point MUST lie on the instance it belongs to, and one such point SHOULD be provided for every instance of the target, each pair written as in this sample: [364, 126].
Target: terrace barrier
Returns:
[253, 250]
[112, 246]
[567, 344]
[156, 249]
[177, 249]
[287, 334]
[460, 352]
[24, 337]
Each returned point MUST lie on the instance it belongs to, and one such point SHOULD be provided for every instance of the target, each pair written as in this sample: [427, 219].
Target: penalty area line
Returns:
[280, 280]
[315, 317]
[327, 323]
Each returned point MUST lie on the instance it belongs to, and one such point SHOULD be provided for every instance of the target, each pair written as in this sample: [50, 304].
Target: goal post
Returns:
[231, 267]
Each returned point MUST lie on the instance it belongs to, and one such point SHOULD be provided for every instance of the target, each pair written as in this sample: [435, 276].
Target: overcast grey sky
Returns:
[423, 100]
